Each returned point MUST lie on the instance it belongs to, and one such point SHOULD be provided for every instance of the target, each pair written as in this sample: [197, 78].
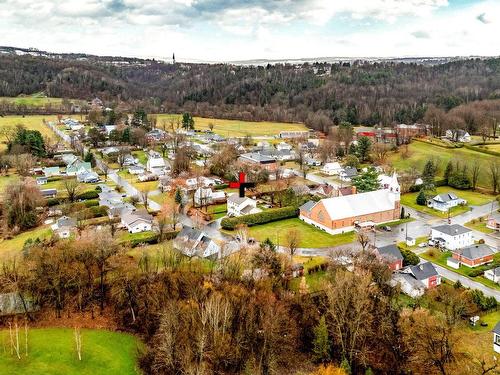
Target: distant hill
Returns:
[319, 94]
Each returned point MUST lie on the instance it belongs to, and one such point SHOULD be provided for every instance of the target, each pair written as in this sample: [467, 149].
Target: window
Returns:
[321, 217]
[497, 339]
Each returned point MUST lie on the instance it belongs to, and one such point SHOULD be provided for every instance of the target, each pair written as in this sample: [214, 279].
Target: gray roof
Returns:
[307, 206]
[390, 251]
[423, 271]
[496, 271]
[447, 197]
[66, 221]
[192, 234]
[496, 329]
[131, 217]
[350, 171]
[452, 229]
[256, 157]
[475, 251]
[235, 198]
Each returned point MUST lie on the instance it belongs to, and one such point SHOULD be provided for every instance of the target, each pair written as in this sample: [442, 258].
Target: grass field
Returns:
[12, 247]
[31, 101]
[421, 152]
[51, 351]
[235, 128]
[473, 199]
[479, 225]
[309, 236]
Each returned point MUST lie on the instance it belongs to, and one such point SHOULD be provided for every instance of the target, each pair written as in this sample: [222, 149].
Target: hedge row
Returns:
[221, 186]
[260, 218]
[483, 150]
[91, 203]
[91, 194]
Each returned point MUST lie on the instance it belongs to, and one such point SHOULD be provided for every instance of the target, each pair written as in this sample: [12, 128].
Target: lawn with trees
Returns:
[52, 351]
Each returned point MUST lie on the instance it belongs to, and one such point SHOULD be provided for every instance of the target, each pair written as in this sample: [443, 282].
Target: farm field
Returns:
[31, 101]
[473, 199]
[236, 128]
[421, 152]
[30, 122]
[309, 236]
[52, 352]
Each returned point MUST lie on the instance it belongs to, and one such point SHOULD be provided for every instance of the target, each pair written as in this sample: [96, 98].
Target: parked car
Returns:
[387, 228]
[423, 244]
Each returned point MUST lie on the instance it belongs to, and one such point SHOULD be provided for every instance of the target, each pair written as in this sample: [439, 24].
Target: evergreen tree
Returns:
[89, 158]
[126, 136]
[321, 342]
[366, 181]
[448, 171]
[421, 199]
[428, 175]
[178, 197]
[363, 148]
[187, 121]
[353, 150]
[403, 213]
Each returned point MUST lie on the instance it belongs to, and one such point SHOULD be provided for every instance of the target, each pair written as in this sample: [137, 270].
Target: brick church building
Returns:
[341, 214]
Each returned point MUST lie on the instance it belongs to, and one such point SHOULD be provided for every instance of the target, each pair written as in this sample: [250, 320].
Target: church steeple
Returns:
[394, 187]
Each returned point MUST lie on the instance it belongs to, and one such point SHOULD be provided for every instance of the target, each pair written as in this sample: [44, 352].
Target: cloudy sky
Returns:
[218, 30]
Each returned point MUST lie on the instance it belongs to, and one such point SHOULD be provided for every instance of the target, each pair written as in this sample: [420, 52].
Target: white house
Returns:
[331, 169]
[444, 202]
[136, 169]
[156, 164]
[64, 226]
[414, 280]
[493, 274]
[346, 174]
[41, 180]
[88, 177]
[51, 171]
[138, 221]
[237, 206]
[496, 338]
[452, 236]
[282, 146]
[458, 135]
[203, 196]
[193, 242]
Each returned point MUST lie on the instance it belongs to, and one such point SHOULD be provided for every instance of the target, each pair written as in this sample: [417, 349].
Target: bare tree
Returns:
[72, 187]
[363, 240]
[292, 241]
[495, 175]
[145, 197]
[475, 171]
[104, 167]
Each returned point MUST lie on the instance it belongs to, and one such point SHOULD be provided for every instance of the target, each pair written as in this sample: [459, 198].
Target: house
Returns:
[108, 151]
[348, 173]
[129, 160]
[473, 256]
[69, 159]
[451, 236]
[458, 135]
[64, 226]
[282, 146]
[343, 213]
[194, 242]
[496, 338]
[51, 171]
[255, 158]
[78, 167]
[41, 180]
[444, 202]
[294, 134]
[156, 164]
[109, 128]
[493, 274]
[493, 223]
[392, 255]
[331, 169]
[414, 280]
[137, 221]
[238, 206]
[204, 196]
[328, 191]
[156, 135]
[48, 193]
[88, 177]
[147, 177]
[136, 169]
[312, 162]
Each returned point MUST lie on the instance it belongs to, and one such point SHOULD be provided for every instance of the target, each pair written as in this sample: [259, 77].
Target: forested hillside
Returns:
[318, 94]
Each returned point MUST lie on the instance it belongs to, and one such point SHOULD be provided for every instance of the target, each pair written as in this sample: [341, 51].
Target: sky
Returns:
[218, 30]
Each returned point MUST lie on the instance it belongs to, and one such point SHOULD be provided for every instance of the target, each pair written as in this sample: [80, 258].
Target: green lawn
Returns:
[6, 180]
[218, 210]
[473, 198]
[396, 223]
[439, 257]
[36, 101]
[309, 236]
[421, 152]
[30, 122]
[51, 351]
[479, 225]
[235, 128]
[13, 247]
[141, 156]
[126, 236]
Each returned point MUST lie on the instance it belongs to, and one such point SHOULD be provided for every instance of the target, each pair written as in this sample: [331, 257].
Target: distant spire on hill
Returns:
[173, 58]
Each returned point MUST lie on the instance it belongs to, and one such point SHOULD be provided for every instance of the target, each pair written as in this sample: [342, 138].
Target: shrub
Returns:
[475, 273]
[459, 181]
[260, 218]
[221, 186]
[95, 211]
[91, 203]
[409, 258]
[91, 194]
[52, 202]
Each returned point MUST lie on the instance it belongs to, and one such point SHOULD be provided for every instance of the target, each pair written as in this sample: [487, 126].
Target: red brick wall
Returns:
[473, 262]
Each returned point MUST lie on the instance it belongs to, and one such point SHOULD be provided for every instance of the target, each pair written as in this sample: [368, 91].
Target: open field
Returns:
[309, 236]
[31, 101]
[421, 152]
[235, 128]
[439, 257]
[473, 198]
[52, 352]
[13, 247]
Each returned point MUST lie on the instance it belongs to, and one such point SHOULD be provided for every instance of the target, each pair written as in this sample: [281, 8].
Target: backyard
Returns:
[10, 248]
[51, 351]
[309, 236]
[473, 198]
[235, 128]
